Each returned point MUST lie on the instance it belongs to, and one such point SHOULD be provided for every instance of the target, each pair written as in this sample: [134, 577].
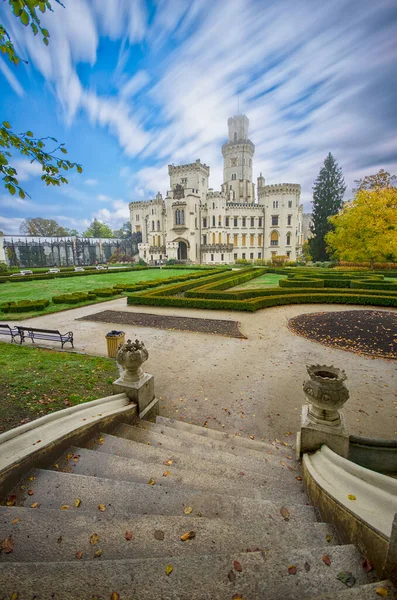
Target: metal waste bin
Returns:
[113, 339]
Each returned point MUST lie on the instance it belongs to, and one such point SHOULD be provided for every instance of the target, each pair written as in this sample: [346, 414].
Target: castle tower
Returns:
[238, 153]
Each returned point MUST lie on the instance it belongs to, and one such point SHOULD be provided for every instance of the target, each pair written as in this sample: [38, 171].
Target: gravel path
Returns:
[252, 386]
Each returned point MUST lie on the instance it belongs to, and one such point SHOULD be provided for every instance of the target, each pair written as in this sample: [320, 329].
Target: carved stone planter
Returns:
[138, 386]
[326, 393]
[321, 421]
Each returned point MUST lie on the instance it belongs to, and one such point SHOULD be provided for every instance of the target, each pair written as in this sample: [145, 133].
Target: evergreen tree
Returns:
[328, 191]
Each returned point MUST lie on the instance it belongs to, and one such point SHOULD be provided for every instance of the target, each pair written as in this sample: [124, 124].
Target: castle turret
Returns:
[238, 153]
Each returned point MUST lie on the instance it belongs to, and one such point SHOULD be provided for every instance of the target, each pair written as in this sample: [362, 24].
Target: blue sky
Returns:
[131, 86]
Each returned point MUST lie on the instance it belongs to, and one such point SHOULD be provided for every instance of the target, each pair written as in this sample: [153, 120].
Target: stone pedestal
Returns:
[138, 386]
[322, 422]
[313, 435]
[141, 392]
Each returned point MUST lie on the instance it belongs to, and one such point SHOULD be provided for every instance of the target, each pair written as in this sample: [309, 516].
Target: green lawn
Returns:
[47, 288]
[35, 382]
[268, 280]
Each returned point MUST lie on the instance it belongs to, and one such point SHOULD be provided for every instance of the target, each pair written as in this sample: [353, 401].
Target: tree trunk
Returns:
[372, 264]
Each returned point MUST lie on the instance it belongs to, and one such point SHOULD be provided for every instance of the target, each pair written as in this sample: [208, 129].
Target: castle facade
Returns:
[196, 224]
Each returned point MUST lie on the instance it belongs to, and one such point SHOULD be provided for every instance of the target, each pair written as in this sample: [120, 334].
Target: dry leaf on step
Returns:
[188, 536]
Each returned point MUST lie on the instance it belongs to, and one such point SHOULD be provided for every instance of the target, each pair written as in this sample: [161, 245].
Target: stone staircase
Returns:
[108, 522]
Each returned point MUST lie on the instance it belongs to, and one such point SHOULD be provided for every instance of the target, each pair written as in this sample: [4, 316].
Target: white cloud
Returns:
[12, 80]
[26, 169]
[115, 216]
[134, 84]
[91, 182]
[10, 226]
[7, 201]
[103, 198]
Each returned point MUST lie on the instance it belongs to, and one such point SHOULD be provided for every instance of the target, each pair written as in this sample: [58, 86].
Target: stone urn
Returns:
[130, 356]
[326, 393]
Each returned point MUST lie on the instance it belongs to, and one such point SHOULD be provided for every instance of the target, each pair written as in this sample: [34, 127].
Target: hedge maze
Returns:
[302, 286]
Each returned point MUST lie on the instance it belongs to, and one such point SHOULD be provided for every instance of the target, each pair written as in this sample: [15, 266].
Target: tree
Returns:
[97, 229]
[39, 226]
[366, 227]
[382, 179]
[306, 250]
[124, 232]
[328, 191]
[73, 232]
[52, 163]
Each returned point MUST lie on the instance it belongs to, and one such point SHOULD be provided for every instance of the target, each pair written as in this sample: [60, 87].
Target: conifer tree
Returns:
[328, 191]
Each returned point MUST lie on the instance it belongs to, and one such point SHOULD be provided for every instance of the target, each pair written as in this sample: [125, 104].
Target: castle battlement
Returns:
[279, 188]
[196, 166]
[136, 204]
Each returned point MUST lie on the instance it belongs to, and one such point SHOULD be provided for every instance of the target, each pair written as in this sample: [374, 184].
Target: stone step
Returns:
[95, 464]
[362, 592]
[52, 489]
[225, 445]
[56, 535]
[237, 440]
[258, 576]
[236, 468]
[197, 446]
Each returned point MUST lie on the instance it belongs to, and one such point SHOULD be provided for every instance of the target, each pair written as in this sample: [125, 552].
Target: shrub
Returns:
[105, 292]
[74, 298]
[24, 305]
[301, 283]
[141, 263]
[373, 285]
[3, 268]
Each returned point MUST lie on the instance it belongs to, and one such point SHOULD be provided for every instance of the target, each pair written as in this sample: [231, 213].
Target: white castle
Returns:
[198, 225]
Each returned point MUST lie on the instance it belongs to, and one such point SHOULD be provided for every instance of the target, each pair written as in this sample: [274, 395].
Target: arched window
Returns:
[274, 238]
[234, 176]
[182, 217]
[235, 136]
[152, 225]
[158, 225]
[219, 238]
[288, 239]
[177, 217]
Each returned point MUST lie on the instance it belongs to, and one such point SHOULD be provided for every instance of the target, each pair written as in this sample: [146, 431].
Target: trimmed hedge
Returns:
[373, 285]
[74, 298]
[301, 283]
[24, 305]
[63, 274]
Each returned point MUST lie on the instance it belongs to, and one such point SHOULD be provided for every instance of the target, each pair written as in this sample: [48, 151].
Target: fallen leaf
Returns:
[284, 513]
[94, 539]
[32, 477]
[7, 545]
[77, 502]
[367, 565]
[98, 553]
[101, 440]
[237, 597]
[14, 596]
[347, 578]
[188, 510]
[237, 566]
[307, 567]
[252, 437]
[329, 539]
[166, 473]
[151, 481]
[76, 458]
[11, 501]
[168, 569]
[351, 497]
[298, 478]
[188, 536]
[65, 507]
[231, 576]
[292, 570]
[114, 596]
[30, 492]
[128, 535]
[35, 505]
[159, 535]
[79, 555]
[101, 507]
[326, 560]
[15, 521]
[168, 462]
[381, 591]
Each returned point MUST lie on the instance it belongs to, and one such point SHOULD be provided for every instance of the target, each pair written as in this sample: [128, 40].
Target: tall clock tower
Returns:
[238, 155]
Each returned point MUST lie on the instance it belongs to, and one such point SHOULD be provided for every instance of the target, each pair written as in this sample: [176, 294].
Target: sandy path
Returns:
[251, 385]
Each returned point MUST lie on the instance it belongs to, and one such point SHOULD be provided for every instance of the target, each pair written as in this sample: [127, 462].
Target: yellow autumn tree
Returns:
[366, 227]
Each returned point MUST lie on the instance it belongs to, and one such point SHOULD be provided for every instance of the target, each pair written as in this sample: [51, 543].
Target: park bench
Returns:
[46, 334]
[12, 332]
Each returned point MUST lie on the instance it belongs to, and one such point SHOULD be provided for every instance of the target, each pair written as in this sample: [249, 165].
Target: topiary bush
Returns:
[24, 306]
[74, 298]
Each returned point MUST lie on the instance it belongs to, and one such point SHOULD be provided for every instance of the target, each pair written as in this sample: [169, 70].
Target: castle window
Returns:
[158, 225]
[182, 217]
[288, 239]
[226, 221]
[219, 220]
[243, 255]
[204, 240]
[195, 222]
[252, 239]
[259, 254]
[235, 239]
[235, 222]
[275, 203]
[244, 239]
[219, 238]
[213, 238]
[274, 238]
[152, 225]
[251, 255]
[222, 257]
[289, 218]
[260, 222]
[260, 237]
[243, 222]
[184, 181]
[235, 256]
[274, 220]
[252, 221]
[137, 218]
[205, 222]
[213, 205]
[152, 211]
[213, 220]
[212, 257]
[288, 254]
[234, 176]
[289, 203]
